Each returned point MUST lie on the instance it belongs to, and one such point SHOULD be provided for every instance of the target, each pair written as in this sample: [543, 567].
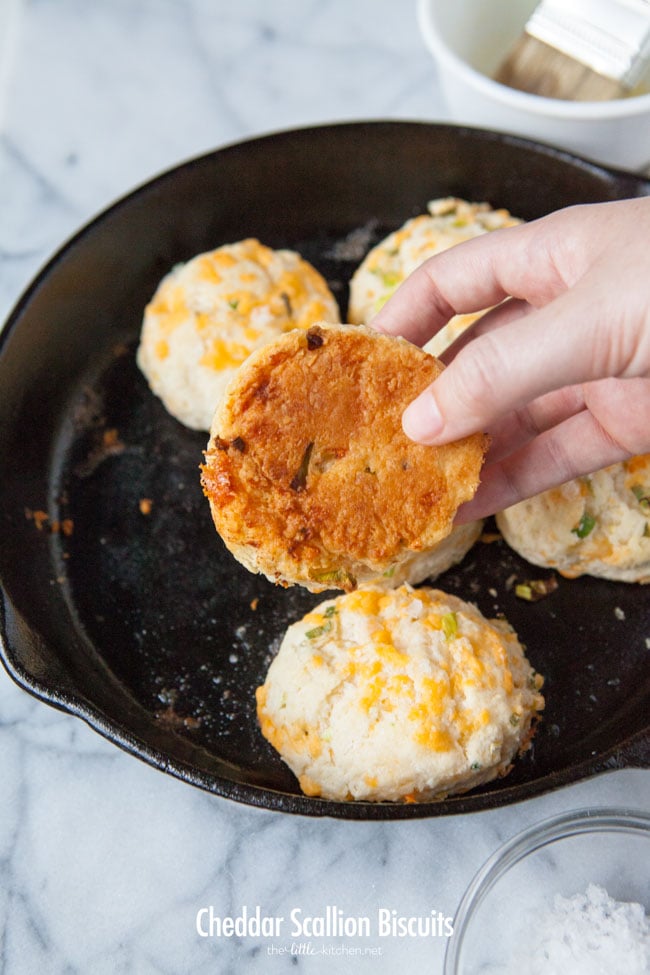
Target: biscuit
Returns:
[208, 315]
[450, 221]
[401, 695]
[309, 476]
[432, 562]
[597, 525]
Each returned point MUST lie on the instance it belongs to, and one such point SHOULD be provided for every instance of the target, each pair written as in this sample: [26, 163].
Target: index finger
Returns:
[470, 277]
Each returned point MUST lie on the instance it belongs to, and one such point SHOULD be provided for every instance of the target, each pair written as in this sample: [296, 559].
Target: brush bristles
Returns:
[539, 69]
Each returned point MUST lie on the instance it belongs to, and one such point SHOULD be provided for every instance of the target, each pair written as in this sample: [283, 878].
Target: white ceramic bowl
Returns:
[495, 922]
[469, 39]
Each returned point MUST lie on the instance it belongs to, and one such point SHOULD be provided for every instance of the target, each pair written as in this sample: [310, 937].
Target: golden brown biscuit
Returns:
[310, 478]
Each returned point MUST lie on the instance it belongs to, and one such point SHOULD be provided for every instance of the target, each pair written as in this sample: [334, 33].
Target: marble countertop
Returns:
[105, 863]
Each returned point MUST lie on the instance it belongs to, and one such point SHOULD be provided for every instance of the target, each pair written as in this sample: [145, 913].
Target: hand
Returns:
[558, 372]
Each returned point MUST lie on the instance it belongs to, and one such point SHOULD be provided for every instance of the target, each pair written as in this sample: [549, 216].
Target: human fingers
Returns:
[622, 407]
[534, 261]
[575, 447]
[585, 334]
[521, 426]
[580, 444]
[509, 310]
[514, 262]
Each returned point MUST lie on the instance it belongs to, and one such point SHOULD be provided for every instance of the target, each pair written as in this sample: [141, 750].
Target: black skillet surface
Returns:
[141, 623]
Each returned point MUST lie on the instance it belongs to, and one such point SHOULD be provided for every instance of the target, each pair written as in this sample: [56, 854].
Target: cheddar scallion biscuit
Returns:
[209, 314]
[309, 475]
[597, 525]
[399, 695]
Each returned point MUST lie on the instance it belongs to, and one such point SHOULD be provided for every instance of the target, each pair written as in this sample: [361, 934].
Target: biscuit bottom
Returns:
[398, 695]
[309, 475]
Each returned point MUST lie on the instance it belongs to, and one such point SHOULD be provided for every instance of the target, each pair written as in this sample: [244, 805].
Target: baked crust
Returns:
[309, 475]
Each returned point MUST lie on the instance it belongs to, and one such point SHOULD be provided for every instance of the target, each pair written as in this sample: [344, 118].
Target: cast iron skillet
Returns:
[141, 623]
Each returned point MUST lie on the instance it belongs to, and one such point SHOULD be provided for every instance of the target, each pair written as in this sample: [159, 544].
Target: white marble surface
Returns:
[105, 862]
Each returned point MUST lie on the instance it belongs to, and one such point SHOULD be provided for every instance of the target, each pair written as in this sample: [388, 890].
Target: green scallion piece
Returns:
[318, 631]
[523, 591]
[337, 576]
[535, 589]
[642, 495]
[391, 279]
[586, 525]
[450, 625]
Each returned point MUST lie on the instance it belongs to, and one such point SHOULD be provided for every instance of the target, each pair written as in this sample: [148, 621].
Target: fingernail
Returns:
[422, 420]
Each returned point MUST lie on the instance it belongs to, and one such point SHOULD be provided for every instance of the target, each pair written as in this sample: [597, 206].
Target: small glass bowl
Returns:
[603, 846]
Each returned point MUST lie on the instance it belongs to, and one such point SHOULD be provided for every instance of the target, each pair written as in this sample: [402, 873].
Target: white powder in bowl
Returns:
[587, 934]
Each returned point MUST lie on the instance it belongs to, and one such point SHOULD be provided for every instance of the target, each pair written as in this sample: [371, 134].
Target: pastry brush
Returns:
[582, 50]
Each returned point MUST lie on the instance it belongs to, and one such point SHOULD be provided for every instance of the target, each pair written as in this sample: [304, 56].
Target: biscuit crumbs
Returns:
[43, 522]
